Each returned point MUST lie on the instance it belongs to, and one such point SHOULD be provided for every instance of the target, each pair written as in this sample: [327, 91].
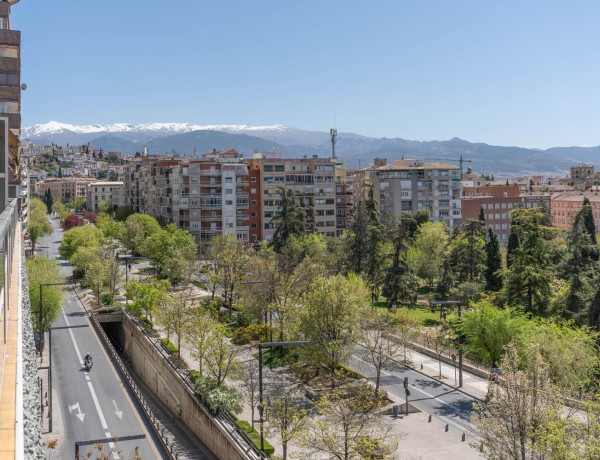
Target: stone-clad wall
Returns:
[32, 422]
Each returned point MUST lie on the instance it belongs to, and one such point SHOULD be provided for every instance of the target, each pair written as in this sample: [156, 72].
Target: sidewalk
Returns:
[473, 385]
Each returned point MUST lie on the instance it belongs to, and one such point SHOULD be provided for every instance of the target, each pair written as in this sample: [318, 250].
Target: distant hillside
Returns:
[353, 149]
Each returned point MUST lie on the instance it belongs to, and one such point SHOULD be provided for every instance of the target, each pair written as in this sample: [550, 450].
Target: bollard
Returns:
[446, 427]
[463, 437]
[421, 366]
[429, 419]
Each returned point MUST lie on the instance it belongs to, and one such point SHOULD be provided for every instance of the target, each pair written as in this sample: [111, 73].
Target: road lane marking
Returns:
[90, 385]
[117, 411]
[80, 415]
[456, 425]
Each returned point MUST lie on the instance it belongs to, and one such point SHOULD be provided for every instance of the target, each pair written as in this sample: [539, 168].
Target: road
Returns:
[426, 394]
[93, 405]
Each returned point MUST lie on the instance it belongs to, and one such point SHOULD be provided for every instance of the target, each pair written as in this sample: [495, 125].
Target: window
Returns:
[228, 202]
[253, 179]
[253, 214]
[253, 202]
[254, 226]
[228, 191]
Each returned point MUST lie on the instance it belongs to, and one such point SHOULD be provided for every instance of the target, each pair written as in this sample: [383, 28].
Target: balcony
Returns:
[241, 203]
[211, 204]
[10, 37]
[242, 228]
[211, 230]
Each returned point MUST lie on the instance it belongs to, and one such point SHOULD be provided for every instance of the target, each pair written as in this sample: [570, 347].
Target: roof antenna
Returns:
[333, 134]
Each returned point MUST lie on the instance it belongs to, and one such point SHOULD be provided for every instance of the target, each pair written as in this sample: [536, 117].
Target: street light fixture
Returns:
[260, 379]
[442, 303]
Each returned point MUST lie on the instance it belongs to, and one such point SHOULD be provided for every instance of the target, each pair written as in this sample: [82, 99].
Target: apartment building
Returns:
[65, 188]
[411, 185]
[313, 181]
[103, 191]
[497, 202]
[10, 69]
[566, 205]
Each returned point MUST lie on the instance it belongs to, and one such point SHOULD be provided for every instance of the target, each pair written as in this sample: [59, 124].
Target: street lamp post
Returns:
[260, 380]
[442, 303]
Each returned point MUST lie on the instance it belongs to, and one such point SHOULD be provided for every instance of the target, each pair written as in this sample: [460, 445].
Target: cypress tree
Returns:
[493, 278]
[512, 245]
[588, 219]
[482, 215]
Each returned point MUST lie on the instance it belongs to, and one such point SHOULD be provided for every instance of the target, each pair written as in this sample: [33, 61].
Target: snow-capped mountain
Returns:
[55, 127]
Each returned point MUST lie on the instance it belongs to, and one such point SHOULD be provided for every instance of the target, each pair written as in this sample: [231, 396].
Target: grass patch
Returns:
[278, 357]
[255, 436]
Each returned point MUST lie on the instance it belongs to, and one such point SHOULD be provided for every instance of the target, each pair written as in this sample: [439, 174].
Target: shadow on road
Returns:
[461, 408]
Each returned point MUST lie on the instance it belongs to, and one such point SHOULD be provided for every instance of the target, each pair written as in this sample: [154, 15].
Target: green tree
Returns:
[199, 333]
[233, 263]
[221, 359]
[147, 298]
[41, 270]
[132, 234]
[48, 200]
[468, 251]
[493, 263]
[38, 225]
[512, 245]
[349, 427]
[427, 252]
[482, 216]
[173, 251]
[78, 203]
[123, 212]
[487, 330]
[289, 220]
[77, 237]
[400, 283]
[104, 207]
[111, 229]
[173, 316]
[375, 253]
[355, 238]
[527, 280]
[329, 318]
[287, 417]
[588, 220]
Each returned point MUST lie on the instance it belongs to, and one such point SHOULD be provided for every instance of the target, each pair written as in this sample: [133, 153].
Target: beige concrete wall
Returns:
[173, 392]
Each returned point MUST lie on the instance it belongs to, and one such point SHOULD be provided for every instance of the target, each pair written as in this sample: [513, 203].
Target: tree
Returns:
[329, 318]
[78, 203]
[71, 221]
[487, 330]
[147, 298]
[438, 339]
[523, 402]
[198, 333]
[512, 245]
[132, 234]
[60, 209]
[588, 220]
[289, 220]
[427, 252]
[493, 263]
[287, 417]
[400, 282]
[42, 270]
[406, 328]
[349, 427]
[355, 238]
[48, 200]
[104, 207]
[527, 280]
[221, 359]
[111, 229]
[377, 337]
[468, 251]
[233, 263]
[249, 385]
[173, 315]
[83, 257]
[374, 266]
[97, 275]
[482, 216]
[38, 225]
[173, 251]
[123, 212]
[77, 237]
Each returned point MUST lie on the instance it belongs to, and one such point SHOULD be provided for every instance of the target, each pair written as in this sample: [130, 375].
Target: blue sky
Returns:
[510, 73]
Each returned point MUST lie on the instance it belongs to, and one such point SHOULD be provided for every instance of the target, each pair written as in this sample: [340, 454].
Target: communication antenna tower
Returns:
[333, 134]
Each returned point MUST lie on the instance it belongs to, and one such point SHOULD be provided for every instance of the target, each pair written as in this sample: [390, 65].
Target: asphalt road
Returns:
[426, 394]
[92, 405]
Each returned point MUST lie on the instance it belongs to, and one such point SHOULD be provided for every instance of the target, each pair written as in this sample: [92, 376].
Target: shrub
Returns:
[107, 298]
[194, 376]
[218, 398]
[172, 349]
[244, 319]
[255, 437]
[253, 332]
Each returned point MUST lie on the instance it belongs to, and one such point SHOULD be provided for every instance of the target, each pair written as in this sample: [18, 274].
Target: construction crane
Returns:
[461, 160]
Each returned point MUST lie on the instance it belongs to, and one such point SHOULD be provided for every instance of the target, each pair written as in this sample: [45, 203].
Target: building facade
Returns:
[98, 192]
[66, 188]
[412, 185]
[10, 69]
[566, 205]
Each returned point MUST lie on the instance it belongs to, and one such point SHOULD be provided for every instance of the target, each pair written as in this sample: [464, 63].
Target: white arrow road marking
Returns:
[91, 387]
[80, 415]
[117, 411]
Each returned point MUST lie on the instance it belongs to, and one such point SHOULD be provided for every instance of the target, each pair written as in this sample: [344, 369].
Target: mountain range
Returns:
[353, 149]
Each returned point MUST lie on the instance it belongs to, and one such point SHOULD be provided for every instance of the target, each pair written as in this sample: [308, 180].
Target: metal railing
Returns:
[227, 424]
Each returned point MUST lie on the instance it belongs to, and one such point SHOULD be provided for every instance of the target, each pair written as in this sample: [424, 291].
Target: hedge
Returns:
[255, 437]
